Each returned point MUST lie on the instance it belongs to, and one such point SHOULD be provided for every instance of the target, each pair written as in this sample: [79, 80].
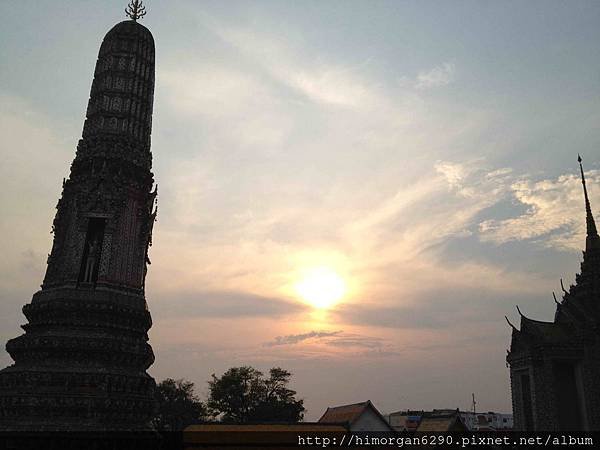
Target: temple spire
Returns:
[135, 10]
[81, 364]
[592, 238]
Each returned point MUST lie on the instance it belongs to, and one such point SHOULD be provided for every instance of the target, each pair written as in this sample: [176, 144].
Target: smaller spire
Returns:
[592, 239]
[135, 10]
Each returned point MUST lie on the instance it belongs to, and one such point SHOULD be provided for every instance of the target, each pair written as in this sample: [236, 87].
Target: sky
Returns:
[423, 152]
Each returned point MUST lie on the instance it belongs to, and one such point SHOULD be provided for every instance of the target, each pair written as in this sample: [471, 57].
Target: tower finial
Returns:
[135, 10]
[592, 233]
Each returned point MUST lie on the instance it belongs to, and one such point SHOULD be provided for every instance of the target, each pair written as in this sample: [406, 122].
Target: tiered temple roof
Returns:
[579, 310]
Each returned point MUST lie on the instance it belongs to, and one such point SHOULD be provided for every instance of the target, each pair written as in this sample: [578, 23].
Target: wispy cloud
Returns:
[438, 76]
[291, 339]
[547, 212]
[323, 83]
[554, 216]
[353, 340]
[476, 180]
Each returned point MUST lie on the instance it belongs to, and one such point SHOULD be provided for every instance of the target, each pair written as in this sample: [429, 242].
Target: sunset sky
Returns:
[416, 161]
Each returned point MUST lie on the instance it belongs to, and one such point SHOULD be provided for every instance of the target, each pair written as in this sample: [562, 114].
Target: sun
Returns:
[321, 287]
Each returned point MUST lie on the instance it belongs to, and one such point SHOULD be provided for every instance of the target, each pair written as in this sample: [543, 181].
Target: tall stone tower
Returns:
[555, 366]
[81, 363]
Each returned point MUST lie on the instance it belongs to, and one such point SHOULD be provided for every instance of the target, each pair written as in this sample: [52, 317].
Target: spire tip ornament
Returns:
[135, 10]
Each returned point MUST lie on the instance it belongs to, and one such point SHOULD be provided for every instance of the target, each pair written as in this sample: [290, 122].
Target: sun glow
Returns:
[321, 287]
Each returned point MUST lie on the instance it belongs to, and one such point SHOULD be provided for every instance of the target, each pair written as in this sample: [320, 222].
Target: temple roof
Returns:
[544, 331]
[580, 307]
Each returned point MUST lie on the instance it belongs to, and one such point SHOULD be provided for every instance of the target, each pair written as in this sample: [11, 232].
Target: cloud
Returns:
[443, 204]
[437, 310]
[291, 339]
[322, 83]
[335, 344]
[361, 346]
[438, 76]
[352, 340]
[284, 154]
[554, 215]
[223, 304]
[547, 212]
[474, 179]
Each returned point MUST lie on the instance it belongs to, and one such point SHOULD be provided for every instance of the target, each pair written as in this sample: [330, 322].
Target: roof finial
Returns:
[135, 10]
[592, 233]
[511, 325]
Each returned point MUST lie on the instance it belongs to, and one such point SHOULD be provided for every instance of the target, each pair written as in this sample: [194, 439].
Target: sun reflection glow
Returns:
[321, 287]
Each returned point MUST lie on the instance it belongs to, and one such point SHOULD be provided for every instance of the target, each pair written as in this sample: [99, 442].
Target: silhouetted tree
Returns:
[278, 403]
[233, 396]
[242, 394]
[177, 405]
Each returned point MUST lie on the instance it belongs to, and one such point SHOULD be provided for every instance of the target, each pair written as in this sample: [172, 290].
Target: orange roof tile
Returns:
[344, 413]
[348, 414]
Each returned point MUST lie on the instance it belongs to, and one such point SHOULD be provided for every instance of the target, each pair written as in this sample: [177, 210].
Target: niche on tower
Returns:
[90, 262]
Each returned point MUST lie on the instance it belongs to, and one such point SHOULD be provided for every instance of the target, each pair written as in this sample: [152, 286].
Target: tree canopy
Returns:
[244, 394]
[177, 405]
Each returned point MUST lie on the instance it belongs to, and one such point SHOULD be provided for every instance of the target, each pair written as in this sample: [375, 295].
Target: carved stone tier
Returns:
[123, 88]
[81, 363]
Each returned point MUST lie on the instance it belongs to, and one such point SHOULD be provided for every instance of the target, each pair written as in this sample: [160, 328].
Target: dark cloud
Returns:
[356, 340]
[358, 344]
[443, 309]
[221, 304]
[291, 339]
[392, 317]
[363, 346]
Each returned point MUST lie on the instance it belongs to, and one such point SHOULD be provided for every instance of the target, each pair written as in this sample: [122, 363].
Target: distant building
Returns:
[443, 422]
[410, 420]
[555, 366]
[405, 420]
[487, 421]
[356, 417]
